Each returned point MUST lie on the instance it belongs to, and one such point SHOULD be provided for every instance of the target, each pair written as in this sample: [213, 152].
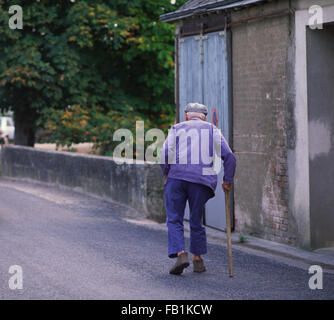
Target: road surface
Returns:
[71, 246]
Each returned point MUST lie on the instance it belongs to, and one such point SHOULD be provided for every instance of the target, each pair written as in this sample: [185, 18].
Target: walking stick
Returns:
[228, 227]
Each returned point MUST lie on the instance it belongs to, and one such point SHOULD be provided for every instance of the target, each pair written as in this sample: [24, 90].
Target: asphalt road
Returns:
[71, 246]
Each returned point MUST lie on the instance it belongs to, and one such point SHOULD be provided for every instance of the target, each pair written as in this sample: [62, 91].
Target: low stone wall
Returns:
[138, 185]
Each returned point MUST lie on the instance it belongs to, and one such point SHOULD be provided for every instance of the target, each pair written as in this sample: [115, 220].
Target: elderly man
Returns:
[187, 163]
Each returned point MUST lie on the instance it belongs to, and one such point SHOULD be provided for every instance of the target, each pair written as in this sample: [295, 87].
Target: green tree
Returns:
[97, 54]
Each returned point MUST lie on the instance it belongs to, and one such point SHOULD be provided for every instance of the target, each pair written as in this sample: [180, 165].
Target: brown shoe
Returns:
[181, 263]
[199, 265]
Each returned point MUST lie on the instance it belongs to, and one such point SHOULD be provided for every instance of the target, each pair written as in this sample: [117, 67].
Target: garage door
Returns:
[204, 78]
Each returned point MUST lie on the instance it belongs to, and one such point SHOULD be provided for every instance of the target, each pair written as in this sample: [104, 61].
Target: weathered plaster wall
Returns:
[298, 157]
[261, 64]
[320, 79]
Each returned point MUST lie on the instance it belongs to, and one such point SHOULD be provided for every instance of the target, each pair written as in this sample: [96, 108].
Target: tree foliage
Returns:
[113, 55]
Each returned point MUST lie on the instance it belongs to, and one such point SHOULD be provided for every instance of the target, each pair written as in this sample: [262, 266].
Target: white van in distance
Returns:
[7, 129]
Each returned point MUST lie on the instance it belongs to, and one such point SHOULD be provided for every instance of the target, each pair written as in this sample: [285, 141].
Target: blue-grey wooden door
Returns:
[216, 98]
[190, 80]
[203, 78]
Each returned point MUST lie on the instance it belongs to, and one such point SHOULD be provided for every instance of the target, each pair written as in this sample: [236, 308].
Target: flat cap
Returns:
[196, 107]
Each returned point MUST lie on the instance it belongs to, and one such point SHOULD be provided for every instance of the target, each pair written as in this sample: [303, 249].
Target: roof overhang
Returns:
[219, 5]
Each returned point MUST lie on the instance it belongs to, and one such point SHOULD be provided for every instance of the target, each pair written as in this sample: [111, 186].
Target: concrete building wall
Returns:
[274, 194]
[320, 79]
[137, 185]
[262, 60]
[298, 158]
[272, 121]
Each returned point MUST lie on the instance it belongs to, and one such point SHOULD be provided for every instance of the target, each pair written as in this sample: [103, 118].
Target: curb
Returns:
[326, 261]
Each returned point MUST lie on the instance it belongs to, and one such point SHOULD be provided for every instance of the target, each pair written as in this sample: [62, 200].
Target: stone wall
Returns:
[137, 185]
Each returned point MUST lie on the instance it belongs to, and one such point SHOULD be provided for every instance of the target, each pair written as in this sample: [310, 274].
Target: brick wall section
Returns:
[260, 80]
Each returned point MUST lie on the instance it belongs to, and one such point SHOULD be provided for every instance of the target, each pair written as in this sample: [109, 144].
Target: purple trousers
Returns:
[177, 193]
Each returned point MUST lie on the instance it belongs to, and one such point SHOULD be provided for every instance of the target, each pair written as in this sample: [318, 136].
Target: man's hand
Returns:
[165, 178]
[227, 186]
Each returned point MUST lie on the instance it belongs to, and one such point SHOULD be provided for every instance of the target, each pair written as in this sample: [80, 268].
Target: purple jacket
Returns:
[192, 152]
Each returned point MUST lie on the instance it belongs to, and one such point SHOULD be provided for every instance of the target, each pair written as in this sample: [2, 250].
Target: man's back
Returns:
[188, 153]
